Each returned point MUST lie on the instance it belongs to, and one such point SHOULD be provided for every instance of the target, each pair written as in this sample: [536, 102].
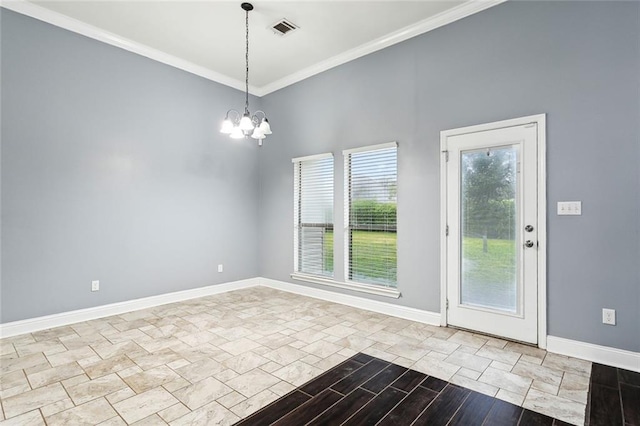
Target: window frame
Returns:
[346, 207]
[298, 225]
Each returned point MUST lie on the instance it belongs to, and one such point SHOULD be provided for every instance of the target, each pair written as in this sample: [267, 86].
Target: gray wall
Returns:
[113, 169]
[579, 62]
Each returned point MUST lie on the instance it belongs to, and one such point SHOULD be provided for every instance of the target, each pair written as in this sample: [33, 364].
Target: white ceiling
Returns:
[207, 37]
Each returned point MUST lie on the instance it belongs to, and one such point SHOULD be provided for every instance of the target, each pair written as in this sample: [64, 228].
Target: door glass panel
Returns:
[488, 229]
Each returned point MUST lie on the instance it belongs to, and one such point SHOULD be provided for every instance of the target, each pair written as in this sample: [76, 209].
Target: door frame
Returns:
[540, 120]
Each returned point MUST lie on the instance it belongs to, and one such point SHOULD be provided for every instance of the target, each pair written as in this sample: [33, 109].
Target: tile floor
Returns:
[218, 359]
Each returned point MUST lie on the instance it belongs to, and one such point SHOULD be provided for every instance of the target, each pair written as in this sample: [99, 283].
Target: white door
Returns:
[492, 225]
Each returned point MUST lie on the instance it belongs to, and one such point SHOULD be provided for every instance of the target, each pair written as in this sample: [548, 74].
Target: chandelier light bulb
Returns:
[237, 133]
[257, 133]
[265, 127]
[245, 122]
[227, 126]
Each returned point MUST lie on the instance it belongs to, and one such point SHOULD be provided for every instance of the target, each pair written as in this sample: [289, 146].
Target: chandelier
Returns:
[242, 126]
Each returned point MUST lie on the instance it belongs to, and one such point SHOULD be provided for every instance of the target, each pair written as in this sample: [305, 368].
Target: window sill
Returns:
[363, 288]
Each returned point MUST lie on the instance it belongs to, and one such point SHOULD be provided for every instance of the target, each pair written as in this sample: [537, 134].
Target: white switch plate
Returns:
[573, 208]
[609, 316]
[95, 285]
[220, 268]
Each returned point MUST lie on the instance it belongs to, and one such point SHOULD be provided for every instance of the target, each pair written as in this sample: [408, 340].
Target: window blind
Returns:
[313, 215]
[371, 183]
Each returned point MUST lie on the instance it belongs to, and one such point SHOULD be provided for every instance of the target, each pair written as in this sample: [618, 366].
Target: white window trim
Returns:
[350, 285]
[313, 157]
[347, 282]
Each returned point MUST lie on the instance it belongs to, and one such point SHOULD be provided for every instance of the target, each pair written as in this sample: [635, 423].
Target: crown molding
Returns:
[54, 18]
[454, 14]
[63, 21]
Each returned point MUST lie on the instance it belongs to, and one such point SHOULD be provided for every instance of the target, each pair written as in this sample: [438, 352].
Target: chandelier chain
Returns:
[246, 80]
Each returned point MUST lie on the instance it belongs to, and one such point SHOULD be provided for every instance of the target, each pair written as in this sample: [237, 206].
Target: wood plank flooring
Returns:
[614, 397]
[365, 390]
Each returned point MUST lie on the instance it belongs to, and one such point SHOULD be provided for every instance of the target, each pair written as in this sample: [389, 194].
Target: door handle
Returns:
[529, 244]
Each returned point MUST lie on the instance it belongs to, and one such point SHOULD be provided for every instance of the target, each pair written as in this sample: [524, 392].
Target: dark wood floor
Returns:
[614, 397]
[369, 391]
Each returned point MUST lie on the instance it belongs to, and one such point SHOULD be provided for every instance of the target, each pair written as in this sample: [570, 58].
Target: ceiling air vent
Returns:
[283, 27]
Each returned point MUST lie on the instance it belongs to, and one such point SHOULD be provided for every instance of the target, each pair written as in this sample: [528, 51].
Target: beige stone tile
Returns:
[226, 375]
[55, 374]
[120, 395]
[53, 333]
[330, 361]
[245, 362]
[56, 407]
[211, 414]
[270, 367]
[13, 379]
[16, 390]
[81, 378]
[347, 353]
[309, 335]
[286, 354]
[9, 365]
[468, 383]
[174, 412]
[321, 348]
[96, 388]
[388, 338]
[152, 420]
[468, 339]
[297, 373]
[88, 361]
[311, 359]
[442, 346]
[252, 382]
[436, 368]
[201, 393]
[176, 384]
[416, 331]
[114, 421]
[380, 354]
[493, 341]
[90, 413]
[236, 347]
[32, 418]
[531, 360]
[27, 401]
[555, 406]
[530, 351]
[274, 341]
[149, 379]
[108, 350]
[502, 366]
[178, 363]
[145, 404]
[506, 380]
[544, 378]
[48, 347]
[511, 397]
[7, 349]
[108, 366]
[568, 364]
[77, 342]
[409, 350]
[501, 355]
[130, 371]
[70, 356]
[254, 403]
[147, 360]
[470, 374]
[231, 399]
[124, 336]
[340, 331]
[282, 388]
[574, 387]
[200, 369]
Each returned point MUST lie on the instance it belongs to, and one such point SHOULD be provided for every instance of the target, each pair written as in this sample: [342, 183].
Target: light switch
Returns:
[573, 208]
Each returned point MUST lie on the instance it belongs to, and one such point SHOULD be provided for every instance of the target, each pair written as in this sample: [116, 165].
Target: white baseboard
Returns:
[65, 318]
[601, 354]
[412, 314]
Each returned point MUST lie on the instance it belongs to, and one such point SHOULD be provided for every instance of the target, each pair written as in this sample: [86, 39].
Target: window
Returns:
[370, 214]
[313, 215]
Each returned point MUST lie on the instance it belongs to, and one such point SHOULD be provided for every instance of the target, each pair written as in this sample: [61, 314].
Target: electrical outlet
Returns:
[220, 268]
[95, 285]
[609, 316]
